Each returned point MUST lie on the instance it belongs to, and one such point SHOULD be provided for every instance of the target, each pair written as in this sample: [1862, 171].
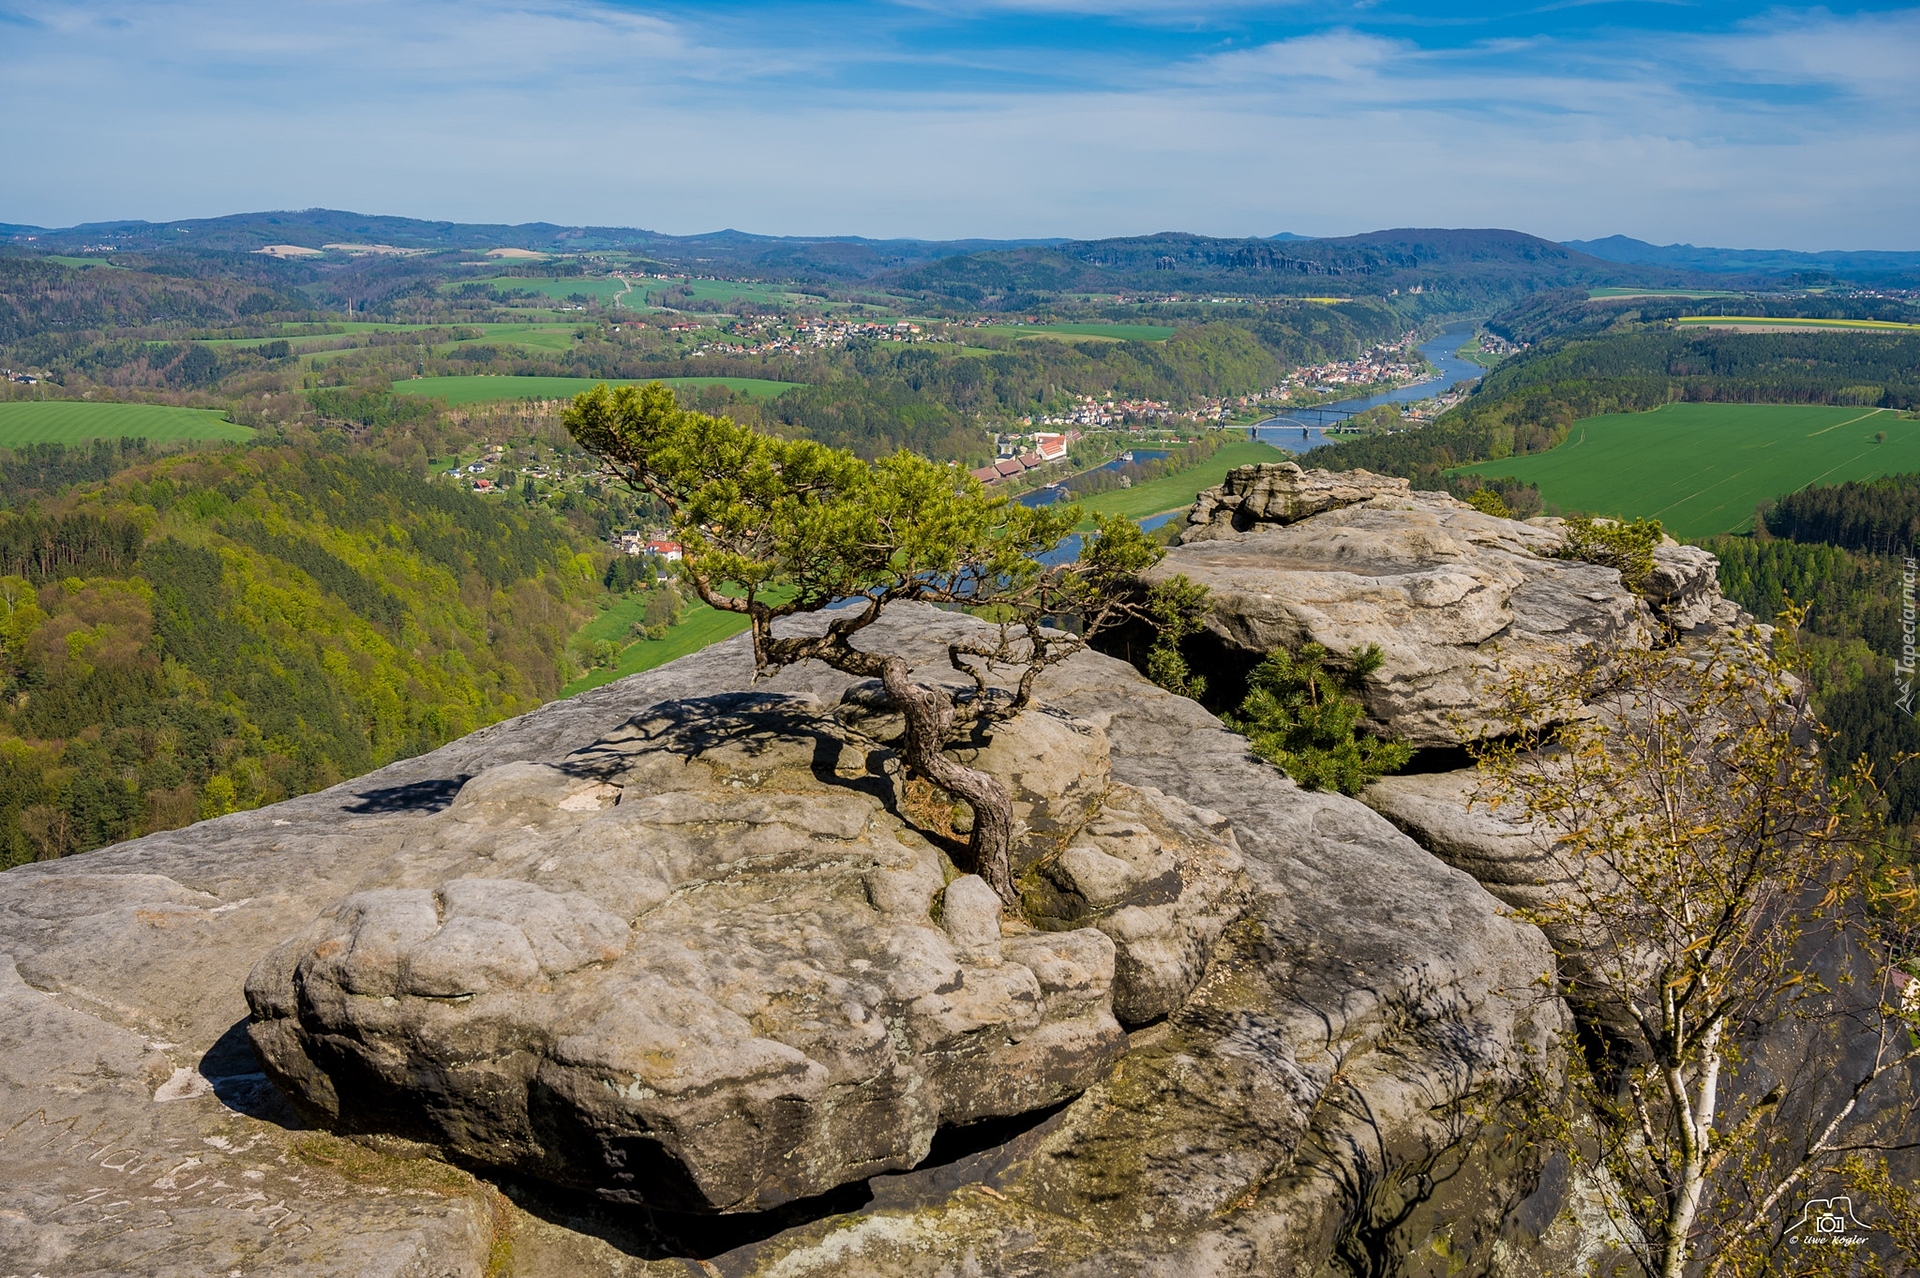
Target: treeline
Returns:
[1877, 515]
[37, 295]
[80, 543]
[33, 469]
[1852, 626]
[219, 630]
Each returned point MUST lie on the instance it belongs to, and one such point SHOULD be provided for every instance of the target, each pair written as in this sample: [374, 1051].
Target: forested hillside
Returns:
[219, 630]
[1572, 313]
[1463, 268]
[1852, 627]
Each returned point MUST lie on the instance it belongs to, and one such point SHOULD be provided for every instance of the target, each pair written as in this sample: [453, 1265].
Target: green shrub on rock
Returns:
[1305, 720]
[1612, 543]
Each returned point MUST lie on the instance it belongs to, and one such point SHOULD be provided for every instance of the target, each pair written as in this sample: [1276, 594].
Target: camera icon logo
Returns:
[1826, 1221]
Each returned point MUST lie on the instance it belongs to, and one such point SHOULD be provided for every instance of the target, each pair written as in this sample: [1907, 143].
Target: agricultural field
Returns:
[544, 338]
[482, 389]
[1764, 323]
[70, 421]
[718, 291]
[1599, 293]
[303, 343]
[1110, 332]
[1701, 468]
[83, 263]
[1171, 492]
[548, 338]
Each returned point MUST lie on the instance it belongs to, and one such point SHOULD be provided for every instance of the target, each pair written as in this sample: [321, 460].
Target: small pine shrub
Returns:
[1177, 609]
[1305, 719]
[1615, 544]
[1489, 502]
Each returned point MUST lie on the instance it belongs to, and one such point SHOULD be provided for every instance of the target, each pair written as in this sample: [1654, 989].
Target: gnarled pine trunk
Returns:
[929, 716]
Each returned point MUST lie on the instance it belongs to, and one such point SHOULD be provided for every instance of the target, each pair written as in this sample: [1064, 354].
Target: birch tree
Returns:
[1715, 872]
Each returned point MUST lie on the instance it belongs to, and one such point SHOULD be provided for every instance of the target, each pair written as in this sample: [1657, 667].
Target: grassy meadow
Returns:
[1702, 468]
[482, 389]
[47, 421]
[1170, 492]
[1767, 321]
[700, 628]
[1598, 293]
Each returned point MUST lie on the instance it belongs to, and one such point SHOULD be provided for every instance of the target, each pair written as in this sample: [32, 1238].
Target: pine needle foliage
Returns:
[1613, 543]
[1305, 719]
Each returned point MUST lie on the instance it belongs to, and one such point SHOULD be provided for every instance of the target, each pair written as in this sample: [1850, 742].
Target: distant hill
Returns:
[797, 256]
[1719, 261]
[1473, 266]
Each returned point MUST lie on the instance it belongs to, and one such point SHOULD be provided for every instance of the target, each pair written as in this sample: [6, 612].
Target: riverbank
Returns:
[1176, 491]
[1443, 353]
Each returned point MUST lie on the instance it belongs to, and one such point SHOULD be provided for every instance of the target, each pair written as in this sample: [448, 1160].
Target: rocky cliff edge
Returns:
[1244, 1030]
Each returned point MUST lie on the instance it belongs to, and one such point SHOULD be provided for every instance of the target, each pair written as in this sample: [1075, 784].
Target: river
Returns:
[1299, 430]
[1294, 434]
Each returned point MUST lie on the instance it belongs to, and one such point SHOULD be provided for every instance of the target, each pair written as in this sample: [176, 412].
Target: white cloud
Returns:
[577, 112]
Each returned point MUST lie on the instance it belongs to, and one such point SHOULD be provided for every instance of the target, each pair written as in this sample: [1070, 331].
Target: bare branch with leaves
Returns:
[1720, 883]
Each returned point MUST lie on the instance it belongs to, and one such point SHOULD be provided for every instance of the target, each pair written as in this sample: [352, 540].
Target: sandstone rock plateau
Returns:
[701, 965]
[1457, 600]
[667, 979]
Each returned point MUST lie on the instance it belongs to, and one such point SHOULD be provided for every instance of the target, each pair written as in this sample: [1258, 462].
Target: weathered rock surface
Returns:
[1314, 1094]
[1449, 816]
[1456, 600]
[1280, 493]
[700, 965]
[1684, 589]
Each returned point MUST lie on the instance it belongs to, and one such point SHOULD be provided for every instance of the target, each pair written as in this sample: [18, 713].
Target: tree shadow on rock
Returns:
[419, 796]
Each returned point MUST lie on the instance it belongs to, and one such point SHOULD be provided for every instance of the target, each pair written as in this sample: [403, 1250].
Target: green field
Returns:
[1170, 492]
[306, 342]
[716, 291]
[1473, 354]
[70, 421]
[1770, 321]
[1702, 468]
[83, 263]
[1657, 292]
[700, 628]
[1113, 332]
[482, 389]
[550, 338]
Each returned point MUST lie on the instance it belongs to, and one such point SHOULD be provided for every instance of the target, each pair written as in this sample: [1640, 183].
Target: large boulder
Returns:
[1279, 493]
[1456, 600]
[1315, 1101]
[701, 965]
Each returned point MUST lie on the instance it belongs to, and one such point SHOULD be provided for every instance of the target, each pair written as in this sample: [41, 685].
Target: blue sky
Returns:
[1734, 125]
